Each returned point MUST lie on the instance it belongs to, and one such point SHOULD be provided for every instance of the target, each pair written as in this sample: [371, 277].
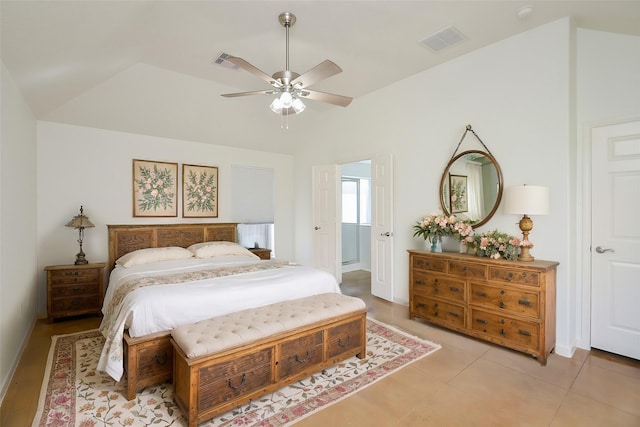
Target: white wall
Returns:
[18, 267]
[608, 90]
[515, 94]
[93, 167]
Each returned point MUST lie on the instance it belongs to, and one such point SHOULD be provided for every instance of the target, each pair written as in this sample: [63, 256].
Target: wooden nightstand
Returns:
[261, 252]
[74, 289]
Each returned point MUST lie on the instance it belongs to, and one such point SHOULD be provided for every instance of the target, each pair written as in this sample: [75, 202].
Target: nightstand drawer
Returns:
[64, 277]
[75, 290]
[65, 305]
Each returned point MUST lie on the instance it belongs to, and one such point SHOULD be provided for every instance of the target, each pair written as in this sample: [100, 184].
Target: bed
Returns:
[151, 294]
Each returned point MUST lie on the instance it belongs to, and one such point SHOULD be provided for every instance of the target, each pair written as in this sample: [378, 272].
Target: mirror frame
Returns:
[443, 203]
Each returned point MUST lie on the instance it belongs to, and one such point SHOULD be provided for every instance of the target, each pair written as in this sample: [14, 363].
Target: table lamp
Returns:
[526, 200]
[80, 222]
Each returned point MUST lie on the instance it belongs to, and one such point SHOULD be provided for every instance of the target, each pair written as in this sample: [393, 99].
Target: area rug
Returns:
[74, 394]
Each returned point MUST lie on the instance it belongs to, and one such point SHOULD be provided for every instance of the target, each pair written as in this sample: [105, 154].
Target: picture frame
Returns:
[199, 191]
[155, 188]
[458, 193]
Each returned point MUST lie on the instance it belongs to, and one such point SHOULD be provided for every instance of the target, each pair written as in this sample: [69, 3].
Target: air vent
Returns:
[444, 38]
[220, 60]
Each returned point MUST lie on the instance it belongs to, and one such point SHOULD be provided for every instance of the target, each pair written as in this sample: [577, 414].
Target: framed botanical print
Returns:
[199, 191]
[458, 193]
[155, 188]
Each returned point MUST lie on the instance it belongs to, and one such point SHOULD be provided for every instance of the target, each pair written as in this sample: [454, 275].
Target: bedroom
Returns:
[539, 89]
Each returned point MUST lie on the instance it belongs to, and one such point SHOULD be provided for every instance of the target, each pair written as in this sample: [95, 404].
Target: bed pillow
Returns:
[149, 255]
[214, 249]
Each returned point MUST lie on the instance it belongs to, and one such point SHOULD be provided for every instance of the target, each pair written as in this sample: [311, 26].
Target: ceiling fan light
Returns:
[276, 106]
[298, 106]
[286, 99]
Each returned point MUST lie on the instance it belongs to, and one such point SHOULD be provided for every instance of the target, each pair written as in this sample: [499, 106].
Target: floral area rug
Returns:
[74, 394]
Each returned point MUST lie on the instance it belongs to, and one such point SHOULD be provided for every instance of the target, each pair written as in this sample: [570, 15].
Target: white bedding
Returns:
[158, 308]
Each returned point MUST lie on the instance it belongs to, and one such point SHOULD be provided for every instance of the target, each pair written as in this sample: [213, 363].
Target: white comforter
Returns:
[157, 308]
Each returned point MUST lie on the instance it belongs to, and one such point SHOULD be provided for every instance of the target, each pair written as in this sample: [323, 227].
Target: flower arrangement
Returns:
[435, 226]
[496, 245]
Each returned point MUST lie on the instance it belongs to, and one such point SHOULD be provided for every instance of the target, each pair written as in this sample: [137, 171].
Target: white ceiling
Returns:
[56, 51]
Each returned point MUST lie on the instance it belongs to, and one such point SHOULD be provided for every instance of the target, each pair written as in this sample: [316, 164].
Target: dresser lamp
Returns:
[80, 222]
[526, 200]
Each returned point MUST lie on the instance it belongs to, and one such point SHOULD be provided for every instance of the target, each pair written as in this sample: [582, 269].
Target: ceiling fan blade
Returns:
[253, 70]
[322, 71]
[330, 98]
[255, 92]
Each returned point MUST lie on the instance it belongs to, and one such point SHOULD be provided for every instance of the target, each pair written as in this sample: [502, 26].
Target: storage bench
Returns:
[226, 361]
[148, 360]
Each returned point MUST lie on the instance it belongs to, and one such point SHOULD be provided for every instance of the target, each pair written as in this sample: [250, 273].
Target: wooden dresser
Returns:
[74, 289]
[509, 303]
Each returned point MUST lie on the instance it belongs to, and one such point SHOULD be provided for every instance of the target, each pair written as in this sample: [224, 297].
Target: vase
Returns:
[436, 244]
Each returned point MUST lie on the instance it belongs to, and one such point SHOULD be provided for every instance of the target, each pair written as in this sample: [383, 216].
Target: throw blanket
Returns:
[198, 295]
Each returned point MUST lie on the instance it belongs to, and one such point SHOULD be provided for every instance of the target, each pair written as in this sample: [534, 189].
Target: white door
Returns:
[382, 227]
[615, 239]
[327, 254]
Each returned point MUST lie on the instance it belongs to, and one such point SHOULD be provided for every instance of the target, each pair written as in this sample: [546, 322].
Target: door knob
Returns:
[602, 250]
[316, 228]
[385, 234]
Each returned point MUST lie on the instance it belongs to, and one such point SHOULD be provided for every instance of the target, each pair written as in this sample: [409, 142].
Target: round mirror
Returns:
[471, 187]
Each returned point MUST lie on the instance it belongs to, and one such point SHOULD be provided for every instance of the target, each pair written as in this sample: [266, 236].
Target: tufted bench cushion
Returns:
[234, 329]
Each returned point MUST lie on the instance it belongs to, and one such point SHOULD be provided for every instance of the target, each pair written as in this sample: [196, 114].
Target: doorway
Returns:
[615, 238]
[356, 215]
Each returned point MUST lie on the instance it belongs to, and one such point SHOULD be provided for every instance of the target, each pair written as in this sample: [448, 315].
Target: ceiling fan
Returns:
[290, 86]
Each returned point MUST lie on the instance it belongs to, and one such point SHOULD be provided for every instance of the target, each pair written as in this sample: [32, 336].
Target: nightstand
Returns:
[261, 252]
[74, 289]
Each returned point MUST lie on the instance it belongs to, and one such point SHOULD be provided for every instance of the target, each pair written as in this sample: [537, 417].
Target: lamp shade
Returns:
[80, 221]
[526, 200]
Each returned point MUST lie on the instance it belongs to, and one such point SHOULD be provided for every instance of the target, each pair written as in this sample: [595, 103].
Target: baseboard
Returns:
[12, 371]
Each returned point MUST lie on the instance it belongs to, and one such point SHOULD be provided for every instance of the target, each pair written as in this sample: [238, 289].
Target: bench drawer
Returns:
[225, 381]
[299, 354]
[345, 338]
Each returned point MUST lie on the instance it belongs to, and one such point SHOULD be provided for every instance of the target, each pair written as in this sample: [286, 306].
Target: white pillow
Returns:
[214, 249]
[149, 255]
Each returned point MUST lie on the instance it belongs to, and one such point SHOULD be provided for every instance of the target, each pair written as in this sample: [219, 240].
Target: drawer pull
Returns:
[341, 344]
[482, 321]
[421, 305]
[501, 291]
[76, 288]
[160, 358]
[453, 289]
[502, 331]
[525, 333]
[501, 304]
[454, 314]
[75, 302]
[420, 282]
[305, 360]
[524, 302]
[235, 387]
[481, 294]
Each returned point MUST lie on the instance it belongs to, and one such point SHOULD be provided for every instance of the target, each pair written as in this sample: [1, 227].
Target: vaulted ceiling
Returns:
[147, 66]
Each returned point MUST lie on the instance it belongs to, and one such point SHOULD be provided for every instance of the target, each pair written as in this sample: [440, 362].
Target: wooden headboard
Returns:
[128, 238]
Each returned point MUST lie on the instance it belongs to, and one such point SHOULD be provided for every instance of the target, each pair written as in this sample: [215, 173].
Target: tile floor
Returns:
[466, 383]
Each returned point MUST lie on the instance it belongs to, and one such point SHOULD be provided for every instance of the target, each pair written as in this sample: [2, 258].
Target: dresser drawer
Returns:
[65, 277]
[508, 299]
[468, 270]
[299, 354]
[429, 264]
[75, 290]
[438, 311]
[509, 275]
[225, 381]
[433, 285]
[345, 337]
[62, 305]
[514, 331]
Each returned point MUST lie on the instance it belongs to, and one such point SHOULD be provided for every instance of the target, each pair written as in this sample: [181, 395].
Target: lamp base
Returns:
[526, 225]
[80, 259]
